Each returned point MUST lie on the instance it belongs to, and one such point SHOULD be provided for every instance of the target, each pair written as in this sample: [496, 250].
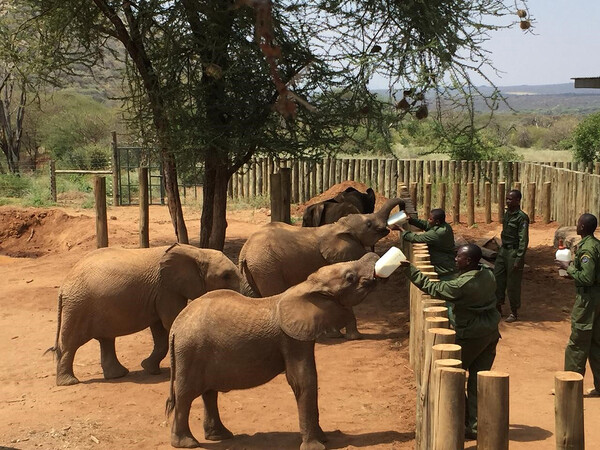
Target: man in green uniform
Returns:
[472, 294]
[584, 342]
[511, 256]
[439, 238]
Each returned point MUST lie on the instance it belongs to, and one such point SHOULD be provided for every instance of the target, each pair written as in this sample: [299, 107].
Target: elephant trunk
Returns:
[386, 209]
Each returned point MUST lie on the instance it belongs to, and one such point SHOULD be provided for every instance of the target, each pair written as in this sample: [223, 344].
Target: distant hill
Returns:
[543, 99]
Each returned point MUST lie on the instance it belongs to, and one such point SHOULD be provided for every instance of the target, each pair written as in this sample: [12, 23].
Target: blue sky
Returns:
[565, 43]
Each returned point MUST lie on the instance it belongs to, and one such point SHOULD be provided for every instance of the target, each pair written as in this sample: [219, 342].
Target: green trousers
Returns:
[477, 354]
[584, 342]
[508, 280]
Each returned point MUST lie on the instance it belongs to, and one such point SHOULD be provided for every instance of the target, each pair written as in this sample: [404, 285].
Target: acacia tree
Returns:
[220, 81]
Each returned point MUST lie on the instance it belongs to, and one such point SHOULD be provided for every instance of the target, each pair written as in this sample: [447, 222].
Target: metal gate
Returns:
[128, 160]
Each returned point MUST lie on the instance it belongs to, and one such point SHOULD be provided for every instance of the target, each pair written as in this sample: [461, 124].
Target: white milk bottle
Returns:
[562, 254]
[389, 262]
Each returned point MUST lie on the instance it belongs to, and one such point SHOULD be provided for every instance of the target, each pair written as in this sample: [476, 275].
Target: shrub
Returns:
[586, 139]
[14, 185]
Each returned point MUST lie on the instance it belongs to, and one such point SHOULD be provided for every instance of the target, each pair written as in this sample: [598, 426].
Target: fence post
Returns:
[427, 201]
[492, 410]
[568, 405]
[100, 204]
[275, 194]
[413, 194]
[456, 203]
[286, 194]
[501, 200]
[488, 202]
[531, 201]
[115, 170]
[144, 208]
[547, 202]
[449, 428]
[442, 196]
[470, 204]
[53, 180]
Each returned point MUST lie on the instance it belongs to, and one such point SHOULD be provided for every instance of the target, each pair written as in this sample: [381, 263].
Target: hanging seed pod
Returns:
[375, 49]
[403, 105]
[422, 112]
[521, 13]
[525, 25]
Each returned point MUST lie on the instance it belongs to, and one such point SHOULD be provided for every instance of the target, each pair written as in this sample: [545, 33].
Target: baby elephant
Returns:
[225, 341]
[113, 292]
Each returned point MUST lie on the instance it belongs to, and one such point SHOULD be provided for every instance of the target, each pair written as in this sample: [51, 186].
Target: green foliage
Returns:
[38, 193]
[587, 139]
[14, 185]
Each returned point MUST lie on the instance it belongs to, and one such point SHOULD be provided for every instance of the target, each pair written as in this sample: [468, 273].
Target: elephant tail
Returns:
[56, 348]
[170, 406]
[248, 286]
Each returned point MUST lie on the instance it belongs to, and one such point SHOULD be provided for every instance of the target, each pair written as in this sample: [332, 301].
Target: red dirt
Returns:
[366, 390]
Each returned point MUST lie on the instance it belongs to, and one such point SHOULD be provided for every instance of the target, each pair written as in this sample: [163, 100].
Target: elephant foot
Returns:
[66, 380]
[151, 367]
[218, 434]
[321, 435]
[113, 372]
[184, 441]
[354, 335]
[312, 445]
[335, 334]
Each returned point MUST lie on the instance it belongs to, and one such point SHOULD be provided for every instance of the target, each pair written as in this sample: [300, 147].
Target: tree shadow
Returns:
[135, 376]
[292, 440]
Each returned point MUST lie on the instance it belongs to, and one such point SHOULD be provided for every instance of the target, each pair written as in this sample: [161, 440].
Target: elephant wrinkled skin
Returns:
[114, 292]
[350, 201]
[279, 256]
[225, 341]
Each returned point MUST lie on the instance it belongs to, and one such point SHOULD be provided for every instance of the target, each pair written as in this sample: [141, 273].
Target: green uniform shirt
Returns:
[586, 265]
[515, 232]
[439, 240]
[472, 294]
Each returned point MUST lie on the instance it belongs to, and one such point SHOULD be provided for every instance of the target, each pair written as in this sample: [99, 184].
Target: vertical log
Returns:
[477, 182]
[492, 410]
[144, 208]
[100, 206]
[531, 202]
[276, 194]
[568, 407]
[501, 201]
[413, 194]
[295, 197]
[488, 202]
[115, 170]
[326, 163]
[319, 176]
[450, 410]
[53, 180]
[494, 176]
[456, 203]
[442, 196]
[286, 194]
[470, 204]
[427, 200]
[547, 201]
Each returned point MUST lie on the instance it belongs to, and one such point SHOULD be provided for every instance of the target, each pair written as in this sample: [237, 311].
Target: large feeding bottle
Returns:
[562, 254]
[389, 262]
[398, 219]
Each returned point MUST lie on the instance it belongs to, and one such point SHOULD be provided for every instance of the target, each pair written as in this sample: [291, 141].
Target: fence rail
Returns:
[440, 183]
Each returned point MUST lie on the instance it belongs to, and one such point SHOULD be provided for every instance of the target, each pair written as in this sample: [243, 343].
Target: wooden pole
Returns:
[488, 202]
[431, 413]
[276, 204]
[446, 351]
[547, 201]
[568, 407]
[413, 194]
[101, 220]
[492, 410]
[501, 200]
[456, 203]
[442, 196]
[450, 410]
[286, 194]
[427, 201]
[531, 202]
[470, 204]
[144, 208]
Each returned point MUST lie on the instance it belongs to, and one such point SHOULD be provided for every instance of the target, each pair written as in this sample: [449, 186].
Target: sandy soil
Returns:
[366, 390]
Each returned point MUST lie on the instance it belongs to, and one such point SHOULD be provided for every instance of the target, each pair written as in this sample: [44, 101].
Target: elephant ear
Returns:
[370, 203]
[340, 247]
[180, 271]
[305, 318]
[312, 215]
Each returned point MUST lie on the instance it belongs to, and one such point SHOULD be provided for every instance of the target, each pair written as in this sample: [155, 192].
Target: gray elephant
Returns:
[279, 256]
[225, 341]
[114, 292]
[351, 201]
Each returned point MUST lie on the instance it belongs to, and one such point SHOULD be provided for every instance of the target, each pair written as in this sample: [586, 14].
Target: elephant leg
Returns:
[214, 430]
[181, 435]
[352, 332]
[161, 347]
[111, 367]
[64, 368]
[301, 374]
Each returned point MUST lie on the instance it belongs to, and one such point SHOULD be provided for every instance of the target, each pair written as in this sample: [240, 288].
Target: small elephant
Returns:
[351, 201]
[114, 292]
[279, 255]
[225, 341]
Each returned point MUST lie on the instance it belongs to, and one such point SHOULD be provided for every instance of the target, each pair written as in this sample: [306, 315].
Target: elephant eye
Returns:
[351, 277]
[368, 224]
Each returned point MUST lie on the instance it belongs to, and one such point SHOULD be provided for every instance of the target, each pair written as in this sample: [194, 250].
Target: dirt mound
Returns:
[35, 232]
[335, 190]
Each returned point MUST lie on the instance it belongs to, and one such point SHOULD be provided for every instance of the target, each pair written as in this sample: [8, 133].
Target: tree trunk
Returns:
[213, 222]
[173, 199]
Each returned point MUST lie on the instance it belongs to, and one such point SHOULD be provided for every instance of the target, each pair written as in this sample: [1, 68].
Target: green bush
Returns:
[586, 139]
[14, 185]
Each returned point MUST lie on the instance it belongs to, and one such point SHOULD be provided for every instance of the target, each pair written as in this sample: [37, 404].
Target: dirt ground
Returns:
[366, 389]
